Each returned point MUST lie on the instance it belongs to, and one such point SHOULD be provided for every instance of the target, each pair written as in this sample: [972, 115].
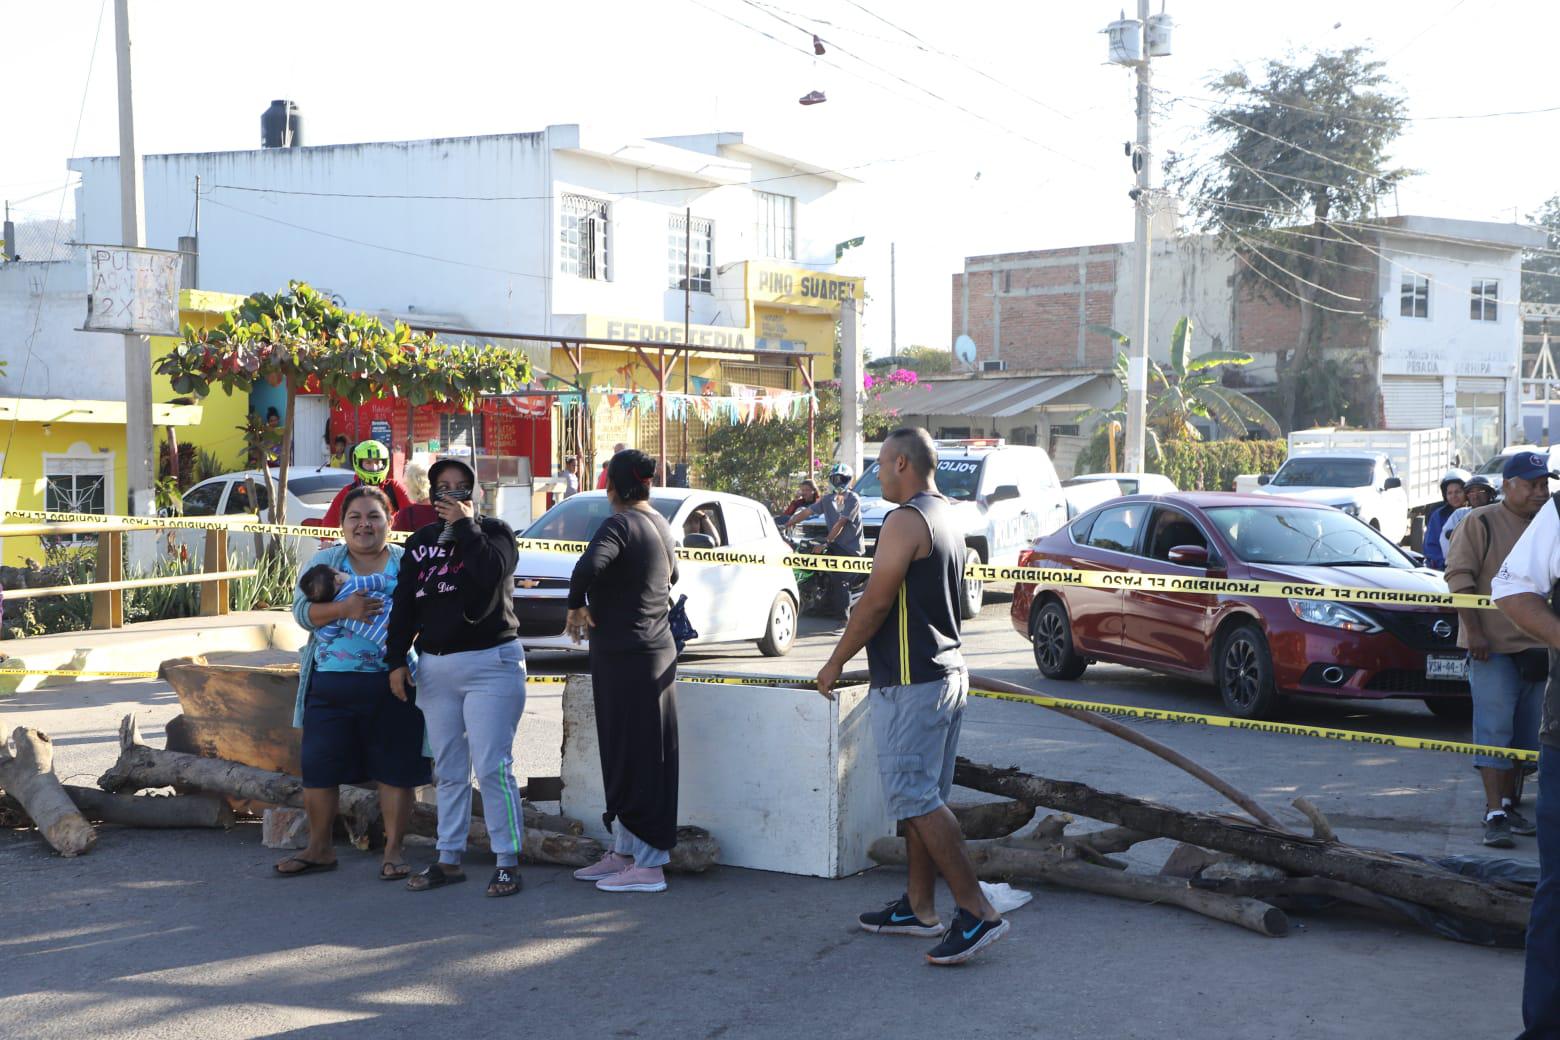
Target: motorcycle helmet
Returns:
[1455, 475]
[1481, 481]
[840, 476]
[371, 462]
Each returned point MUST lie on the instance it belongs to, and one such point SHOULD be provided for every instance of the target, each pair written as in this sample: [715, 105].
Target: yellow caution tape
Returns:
[77, 672]
[1054, 576]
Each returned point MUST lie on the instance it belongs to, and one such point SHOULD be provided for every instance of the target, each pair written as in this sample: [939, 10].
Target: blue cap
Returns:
[1528, 465]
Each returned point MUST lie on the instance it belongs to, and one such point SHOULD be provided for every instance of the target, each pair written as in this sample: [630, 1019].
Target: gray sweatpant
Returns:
[626, 843]
[471, 703]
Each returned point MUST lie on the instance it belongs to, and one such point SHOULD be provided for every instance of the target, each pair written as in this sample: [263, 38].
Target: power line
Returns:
[1363, 120]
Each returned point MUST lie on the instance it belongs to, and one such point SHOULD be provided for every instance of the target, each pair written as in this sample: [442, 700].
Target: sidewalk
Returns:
[143, 646]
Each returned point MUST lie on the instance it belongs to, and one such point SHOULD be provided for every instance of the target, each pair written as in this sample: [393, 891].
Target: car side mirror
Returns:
[1264, 480]
[1188, 556]
[698, 541]
[1392, 484]
[1004, 493]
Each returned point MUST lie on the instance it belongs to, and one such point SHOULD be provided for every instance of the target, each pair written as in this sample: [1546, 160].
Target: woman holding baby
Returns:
[354, 730]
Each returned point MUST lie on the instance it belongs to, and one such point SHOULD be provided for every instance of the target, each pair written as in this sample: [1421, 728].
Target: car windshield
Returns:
[1304, 536]
[958, 479]
[317, 488]
[1325, 473]
[1493, 465]
[576, 519]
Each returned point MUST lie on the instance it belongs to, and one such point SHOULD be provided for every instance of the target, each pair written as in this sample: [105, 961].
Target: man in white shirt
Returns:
[1527, 591]
[571, 477]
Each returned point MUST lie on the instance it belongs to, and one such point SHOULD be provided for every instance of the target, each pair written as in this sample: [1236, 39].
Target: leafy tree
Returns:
[766, 460]
[1541, 270]
[1303, 143]
[922, 360]
[1191, 387]
[300, 338]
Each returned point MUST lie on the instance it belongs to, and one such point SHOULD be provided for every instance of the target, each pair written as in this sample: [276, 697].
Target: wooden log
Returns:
[27, 775]
[996, 861]
[1142, 740]
[189, 810]
[978, 820]
[141, 767]
[1296, 854]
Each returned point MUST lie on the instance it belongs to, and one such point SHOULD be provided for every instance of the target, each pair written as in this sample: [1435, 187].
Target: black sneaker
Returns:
[897, 918]
[966, 937]
[1497, 831]
[1520, 824]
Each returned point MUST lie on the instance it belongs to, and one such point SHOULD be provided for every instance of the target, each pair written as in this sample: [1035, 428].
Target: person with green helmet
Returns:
[371, 463]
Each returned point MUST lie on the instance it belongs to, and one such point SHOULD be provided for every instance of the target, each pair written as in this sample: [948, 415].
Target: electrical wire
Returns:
[43, 288]
[1267, 98]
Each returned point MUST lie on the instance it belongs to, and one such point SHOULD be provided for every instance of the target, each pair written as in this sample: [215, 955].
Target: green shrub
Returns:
[1194, 465]
[271, 588]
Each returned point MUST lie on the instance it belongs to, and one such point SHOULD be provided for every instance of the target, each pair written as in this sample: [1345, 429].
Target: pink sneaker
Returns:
[605, 867]
[635, 879]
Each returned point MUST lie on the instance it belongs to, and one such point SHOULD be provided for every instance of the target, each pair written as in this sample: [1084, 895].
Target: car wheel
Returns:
[1055, 655]
[781, 632]
[974, 589]
[1245, 673]
[1454, 709]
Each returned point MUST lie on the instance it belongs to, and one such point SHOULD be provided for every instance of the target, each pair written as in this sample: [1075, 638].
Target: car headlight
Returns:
[1351, 508]
[1332, 615]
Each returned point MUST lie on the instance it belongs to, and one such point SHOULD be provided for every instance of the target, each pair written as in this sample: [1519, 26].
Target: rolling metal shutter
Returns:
[1412, 404]
[1466, 385]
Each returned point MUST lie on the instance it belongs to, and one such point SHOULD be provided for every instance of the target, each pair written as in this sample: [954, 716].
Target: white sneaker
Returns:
[635, 879]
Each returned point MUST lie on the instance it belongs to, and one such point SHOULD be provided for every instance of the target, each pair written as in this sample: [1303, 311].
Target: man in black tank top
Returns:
[908, 622]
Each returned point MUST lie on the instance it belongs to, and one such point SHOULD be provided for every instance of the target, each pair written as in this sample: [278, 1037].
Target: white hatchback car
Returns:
[309, 494]
[727, 603]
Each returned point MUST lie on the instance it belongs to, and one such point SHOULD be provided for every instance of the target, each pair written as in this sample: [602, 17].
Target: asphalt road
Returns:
[186, 934]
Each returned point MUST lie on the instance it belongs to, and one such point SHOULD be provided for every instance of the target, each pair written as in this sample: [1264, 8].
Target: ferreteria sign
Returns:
[799, 287]
[670, 333]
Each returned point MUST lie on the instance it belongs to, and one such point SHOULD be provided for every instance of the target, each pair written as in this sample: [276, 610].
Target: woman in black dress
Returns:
[618, 601]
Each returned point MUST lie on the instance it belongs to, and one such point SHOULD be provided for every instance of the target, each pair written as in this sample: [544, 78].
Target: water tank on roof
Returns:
[281, 125]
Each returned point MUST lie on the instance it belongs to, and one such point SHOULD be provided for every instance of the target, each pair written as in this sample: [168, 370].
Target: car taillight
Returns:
[1026, 557]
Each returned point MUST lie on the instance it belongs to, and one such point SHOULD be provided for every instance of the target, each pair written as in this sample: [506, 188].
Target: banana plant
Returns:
[1190, 387]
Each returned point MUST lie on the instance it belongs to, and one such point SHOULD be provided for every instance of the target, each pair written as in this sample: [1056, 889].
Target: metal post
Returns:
[1137, 361]
[687, 310]
[132, 221]
[660, 394]
[852, 396]
[893, 304]
[194, 261]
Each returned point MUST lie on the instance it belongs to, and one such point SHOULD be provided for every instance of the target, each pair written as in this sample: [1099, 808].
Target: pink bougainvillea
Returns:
[898, 377]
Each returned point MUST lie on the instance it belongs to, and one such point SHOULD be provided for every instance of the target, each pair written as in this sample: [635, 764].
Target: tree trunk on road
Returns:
[27, 775]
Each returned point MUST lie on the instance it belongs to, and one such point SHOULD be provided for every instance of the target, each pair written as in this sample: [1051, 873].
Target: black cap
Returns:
[434, 470]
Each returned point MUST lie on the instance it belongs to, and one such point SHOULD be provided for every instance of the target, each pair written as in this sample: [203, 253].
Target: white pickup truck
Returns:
[1004, 497]
[1380, 476]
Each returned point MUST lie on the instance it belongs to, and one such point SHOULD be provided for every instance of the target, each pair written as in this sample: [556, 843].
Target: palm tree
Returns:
[1190, 388]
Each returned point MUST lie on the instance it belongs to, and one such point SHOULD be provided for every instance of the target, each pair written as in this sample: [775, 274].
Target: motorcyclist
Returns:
[841, 510]
[371, 463]
[1453, 497]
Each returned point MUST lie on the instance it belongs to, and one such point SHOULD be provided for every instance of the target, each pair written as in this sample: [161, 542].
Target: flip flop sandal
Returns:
[504, 876]
[433, 876]
[394, 871]
[309, 867]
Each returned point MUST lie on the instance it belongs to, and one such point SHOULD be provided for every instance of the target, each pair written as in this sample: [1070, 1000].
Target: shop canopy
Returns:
[988, 398]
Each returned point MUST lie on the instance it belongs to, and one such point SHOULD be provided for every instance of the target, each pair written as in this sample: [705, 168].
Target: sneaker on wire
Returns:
[1520, 824]
[966, 937]
[896, 918]
[1497, 831]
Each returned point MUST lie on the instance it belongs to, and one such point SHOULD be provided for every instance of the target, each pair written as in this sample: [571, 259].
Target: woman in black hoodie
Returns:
[453, 598]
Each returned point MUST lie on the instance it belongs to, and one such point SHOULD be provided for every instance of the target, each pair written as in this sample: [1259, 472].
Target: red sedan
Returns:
[1253, 648]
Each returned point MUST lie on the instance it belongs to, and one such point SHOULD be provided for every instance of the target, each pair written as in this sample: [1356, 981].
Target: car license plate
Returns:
[1445, 666]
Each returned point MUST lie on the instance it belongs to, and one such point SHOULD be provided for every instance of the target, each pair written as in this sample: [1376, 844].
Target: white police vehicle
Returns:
[1004, 497]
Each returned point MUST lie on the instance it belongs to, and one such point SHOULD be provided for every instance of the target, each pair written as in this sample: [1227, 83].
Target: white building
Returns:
[557, 231]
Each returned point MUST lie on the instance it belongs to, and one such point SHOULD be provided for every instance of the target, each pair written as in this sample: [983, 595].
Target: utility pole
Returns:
[852, 396]
[1137, 359]
[893, 304]
[132, 221]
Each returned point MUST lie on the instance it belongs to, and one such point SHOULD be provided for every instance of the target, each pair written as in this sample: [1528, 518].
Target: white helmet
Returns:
[840, 475]
[1456, 474]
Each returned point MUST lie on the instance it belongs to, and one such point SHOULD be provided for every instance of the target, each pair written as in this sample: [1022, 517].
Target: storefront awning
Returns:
[991, 398]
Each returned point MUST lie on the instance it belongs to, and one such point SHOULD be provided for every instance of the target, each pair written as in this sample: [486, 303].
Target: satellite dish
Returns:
[964, 350]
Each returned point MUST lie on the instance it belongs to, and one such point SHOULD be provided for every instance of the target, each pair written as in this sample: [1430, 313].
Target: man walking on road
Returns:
[1525, 590]
[1507, 667]
[908, 621]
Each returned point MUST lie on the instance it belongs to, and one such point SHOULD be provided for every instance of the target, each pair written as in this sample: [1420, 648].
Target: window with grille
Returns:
[75, 485]
[681, 240]
[582, 237]
[461, 430]
[1415, 298]
[1485, 291]
[774, 377]
[776, 225]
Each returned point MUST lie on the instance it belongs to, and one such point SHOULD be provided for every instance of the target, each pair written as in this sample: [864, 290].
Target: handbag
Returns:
[682, 628]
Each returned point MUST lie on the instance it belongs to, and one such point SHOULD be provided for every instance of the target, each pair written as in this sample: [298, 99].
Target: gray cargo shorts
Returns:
[916, 728]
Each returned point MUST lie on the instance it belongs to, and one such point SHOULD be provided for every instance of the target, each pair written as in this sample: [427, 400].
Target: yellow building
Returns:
[68, 455]
[791, 315]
